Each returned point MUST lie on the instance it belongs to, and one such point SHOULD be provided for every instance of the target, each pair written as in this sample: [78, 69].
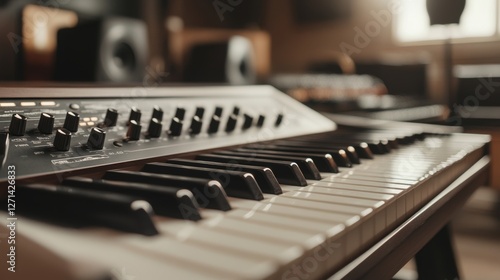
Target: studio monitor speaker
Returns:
[228, 61]
[111, 49]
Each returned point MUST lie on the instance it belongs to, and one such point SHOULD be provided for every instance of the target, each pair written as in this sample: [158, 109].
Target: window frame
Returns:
[435, 41]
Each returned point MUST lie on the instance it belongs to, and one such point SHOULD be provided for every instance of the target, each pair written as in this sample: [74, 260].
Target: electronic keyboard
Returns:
[206, 183]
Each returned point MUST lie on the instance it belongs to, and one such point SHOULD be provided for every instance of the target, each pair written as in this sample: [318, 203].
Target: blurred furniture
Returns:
[478, 106]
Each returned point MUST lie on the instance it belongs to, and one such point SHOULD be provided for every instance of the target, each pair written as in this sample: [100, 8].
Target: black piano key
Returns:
[208, 193]
[324, 162]
[77, 207]
[389, 141]
[339, 156]
[171, 202]
[377, 146]
[392, 138]
[263, 175]
[349, 150]
[395, 139]
[306, 164]
[362, 149]
[287, 172]
[236, 184]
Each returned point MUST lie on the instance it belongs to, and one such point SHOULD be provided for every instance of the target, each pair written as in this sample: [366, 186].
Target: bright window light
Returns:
[412, 22]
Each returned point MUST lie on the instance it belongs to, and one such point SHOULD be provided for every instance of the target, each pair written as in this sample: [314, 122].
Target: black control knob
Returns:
[180, 113]
[196, 125]
[261, 120]
[135, 115]
[236, 110]
[213, 127]
[62, 141]
[18, 125]
[134, 131]
[247, 123]
[157, 113]
[71, 121]
[279, 120]
[175, 127]
[155, 128]
[200, 111]
[218, 111]
[231, 123]
[46, 123]
[96, 138]
[111, 117]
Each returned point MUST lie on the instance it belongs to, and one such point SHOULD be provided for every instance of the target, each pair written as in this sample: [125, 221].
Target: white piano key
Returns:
[322, 206]
[365, 177]
[380, 206]
[354, 240]
[276, 214]
[306, 211]
[379, 220]
[344, 200]
[241, 265]
[341, 192]
[105, 248]
[334, 232]
[385, 174]
[275, 233]
[325, 187]
[365, 183]
[277, 251]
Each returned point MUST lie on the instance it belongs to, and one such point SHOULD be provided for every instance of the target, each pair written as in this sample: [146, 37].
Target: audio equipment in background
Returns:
[112, 49]
[222, 62]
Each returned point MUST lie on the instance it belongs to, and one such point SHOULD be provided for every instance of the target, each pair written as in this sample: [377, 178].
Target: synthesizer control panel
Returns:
[51, 131]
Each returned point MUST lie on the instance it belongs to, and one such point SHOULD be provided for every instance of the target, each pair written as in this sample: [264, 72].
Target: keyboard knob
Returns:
[157, 114]
[175, 127]
[231, 123]
[247, 123]
[134, 131]
[96, 138]
[196, 125]
[135, 115]
[180, 113]
[200, 111]
[71, 121]
[279, 120]
[18, 125]
[261, 120]
[213, 127]
[62, 141]
[218, 111]
[111, 117]
[46, 123]
[155, 128]
[236, 110]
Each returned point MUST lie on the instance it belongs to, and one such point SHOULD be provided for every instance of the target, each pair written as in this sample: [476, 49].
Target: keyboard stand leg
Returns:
[436, 260]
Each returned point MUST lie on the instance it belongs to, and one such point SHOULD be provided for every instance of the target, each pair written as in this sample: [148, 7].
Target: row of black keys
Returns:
[125, 199]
